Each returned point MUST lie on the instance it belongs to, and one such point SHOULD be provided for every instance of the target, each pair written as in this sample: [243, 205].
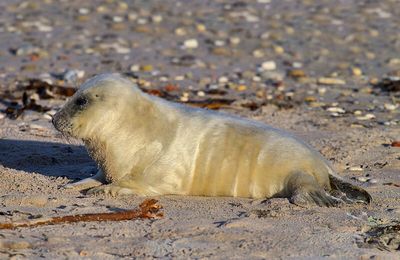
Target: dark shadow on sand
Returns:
[47, 158]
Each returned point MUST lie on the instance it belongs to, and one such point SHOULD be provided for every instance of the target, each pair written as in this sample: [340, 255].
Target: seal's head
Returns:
[96, 106]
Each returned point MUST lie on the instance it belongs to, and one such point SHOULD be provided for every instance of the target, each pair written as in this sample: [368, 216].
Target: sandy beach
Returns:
[326, 71]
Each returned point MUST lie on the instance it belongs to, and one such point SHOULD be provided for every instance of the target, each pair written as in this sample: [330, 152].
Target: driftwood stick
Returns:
[147, 209]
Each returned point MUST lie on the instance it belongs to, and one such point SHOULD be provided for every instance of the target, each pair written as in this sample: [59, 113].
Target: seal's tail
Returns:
[347, 191]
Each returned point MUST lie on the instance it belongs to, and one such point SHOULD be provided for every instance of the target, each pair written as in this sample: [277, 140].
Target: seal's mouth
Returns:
[61, 124]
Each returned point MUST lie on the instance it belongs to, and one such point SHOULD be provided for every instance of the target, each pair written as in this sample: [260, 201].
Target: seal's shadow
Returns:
[47, 158]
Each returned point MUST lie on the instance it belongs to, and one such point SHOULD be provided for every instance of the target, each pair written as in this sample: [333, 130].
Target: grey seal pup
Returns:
[145, 145]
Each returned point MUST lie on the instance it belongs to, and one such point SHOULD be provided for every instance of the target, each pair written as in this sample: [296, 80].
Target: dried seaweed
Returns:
[390, 84]
[147, 209]
[46, 90]
[385, 237]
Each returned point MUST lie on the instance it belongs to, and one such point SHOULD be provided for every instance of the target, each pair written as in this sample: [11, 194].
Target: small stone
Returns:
[180, 31]
[394, 62]
[72, 75]
[234, 40]
[25, 50]
[373, 181]
[134, 68]
[223, 79]
[201, 27]
[357, 113]
[184, 98]
[256, 79]
[390, 107]
[310, 99]
[219, 43]
[395, 144]
[297, 73]
[201, 93]
[330, 81]
[221, 51]
[268, 65]
[279, 49]
[142, 21]
[336, 110]
[83, 11]
[241, 87]
[132, 16]
[366, 117]
[2, 116]
[190, 44]
[118, 19]
[258, 53]
[321, 91]
[355, 169]
[146, 68]
[362, 179]
[297, 65]
[179, 78]
[157, 18]
[356, 71]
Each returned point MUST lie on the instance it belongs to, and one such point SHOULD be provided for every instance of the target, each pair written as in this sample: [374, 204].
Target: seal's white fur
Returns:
[148, 146]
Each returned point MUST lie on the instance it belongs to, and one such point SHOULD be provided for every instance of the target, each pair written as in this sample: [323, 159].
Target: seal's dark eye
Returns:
[81, 101]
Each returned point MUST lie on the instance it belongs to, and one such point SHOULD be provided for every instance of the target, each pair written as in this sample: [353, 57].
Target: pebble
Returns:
[223, 79]
[330, 81]
[297, 65]
[184, 97]
[219, 43]
[190, 44]
[146, 68]
[390, 107]
[297, 73]
[356, 71]
[118, 19]
[268, 65]
[336, 110]
[258, 53]
[201, 27]
[180, 31]
[134, 68]
[362, 179]
[394, 62]
[256, 79]
[201, 93]
[373, 181]
[366, 117]
[83, 11]
[321, 91]
[157, 18]
[234, 40]
[241, 87]
[279, 49]
[26, 50]
[72, 75]
[355, 169]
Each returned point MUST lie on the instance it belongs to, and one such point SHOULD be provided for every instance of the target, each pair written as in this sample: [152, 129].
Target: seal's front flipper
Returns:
[305, 192]
[111, 189]
[87, 183]
[348, 192]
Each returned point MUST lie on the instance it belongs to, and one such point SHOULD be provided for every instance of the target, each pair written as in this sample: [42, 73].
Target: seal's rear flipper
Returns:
[348, 192]
[305, 192]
